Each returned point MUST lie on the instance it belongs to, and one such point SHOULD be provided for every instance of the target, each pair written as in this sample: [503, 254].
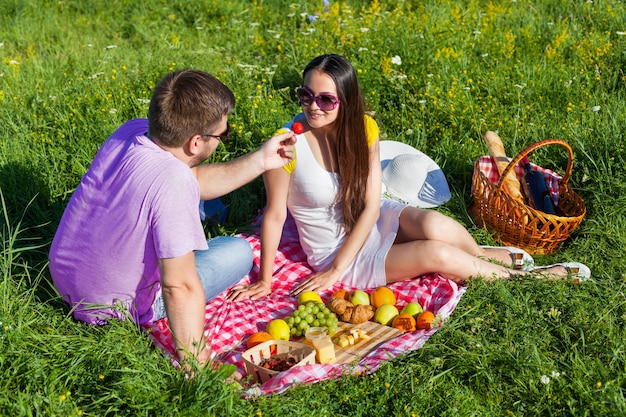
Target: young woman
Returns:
[333, 191]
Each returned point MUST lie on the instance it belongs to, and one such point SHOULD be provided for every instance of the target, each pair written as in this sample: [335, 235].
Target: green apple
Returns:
[359, 297]
[385, 314]
[412, 308]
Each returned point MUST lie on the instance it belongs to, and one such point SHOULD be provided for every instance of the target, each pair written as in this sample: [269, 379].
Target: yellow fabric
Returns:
[371, 131]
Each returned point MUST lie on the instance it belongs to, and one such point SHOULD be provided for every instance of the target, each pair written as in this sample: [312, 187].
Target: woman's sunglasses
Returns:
[326, 102]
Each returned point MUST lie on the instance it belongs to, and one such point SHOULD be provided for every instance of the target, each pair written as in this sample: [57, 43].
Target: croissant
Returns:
[361, 314]
[347, 314]
[338, 305]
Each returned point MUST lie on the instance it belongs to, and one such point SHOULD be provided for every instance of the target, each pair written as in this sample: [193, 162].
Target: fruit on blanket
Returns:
[412, 308]
[258, 338]
[382, 295]
[425, 320]
[404, 322]
[359, 297]
[341, 294]
[385, 314]
[307, 296]
[279, 329]
[311, 314]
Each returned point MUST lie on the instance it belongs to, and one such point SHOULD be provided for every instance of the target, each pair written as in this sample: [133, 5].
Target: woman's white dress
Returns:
[319, 218]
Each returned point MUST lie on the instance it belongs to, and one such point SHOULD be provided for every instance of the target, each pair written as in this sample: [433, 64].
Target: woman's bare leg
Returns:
[410, 259]
[420, 224]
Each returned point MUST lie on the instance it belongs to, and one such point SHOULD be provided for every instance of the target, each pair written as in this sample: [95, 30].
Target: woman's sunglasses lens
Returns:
[326, 102]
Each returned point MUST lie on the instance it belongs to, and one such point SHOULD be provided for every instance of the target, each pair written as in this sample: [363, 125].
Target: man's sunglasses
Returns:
[223, 136]
[326, 102]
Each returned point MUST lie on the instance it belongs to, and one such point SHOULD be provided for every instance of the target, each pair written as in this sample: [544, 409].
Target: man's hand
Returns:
[218, 179]
[278, 150]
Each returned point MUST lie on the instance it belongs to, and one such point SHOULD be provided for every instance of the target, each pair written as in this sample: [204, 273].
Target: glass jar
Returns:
[314, 333]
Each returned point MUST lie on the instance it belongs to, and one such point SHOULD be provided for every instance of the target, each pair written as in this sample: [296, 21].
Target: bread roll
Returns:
[510, 184]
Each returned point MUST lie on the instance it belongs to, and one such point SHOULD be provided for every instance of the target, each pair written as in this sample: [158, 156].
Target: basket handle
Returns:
[536, 145]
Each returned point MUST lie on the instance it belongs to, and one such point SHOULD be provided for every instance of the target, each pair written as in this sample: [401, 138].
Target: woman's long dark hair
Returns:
[352, 150]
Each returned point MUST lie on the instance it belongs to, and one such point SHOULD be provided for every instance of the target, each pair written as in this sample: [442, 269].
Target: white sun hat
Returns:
[411, 177]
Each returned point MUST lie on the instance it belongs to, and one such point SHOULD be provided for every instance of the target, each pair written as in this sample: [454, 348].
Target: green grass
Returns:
[72, 71]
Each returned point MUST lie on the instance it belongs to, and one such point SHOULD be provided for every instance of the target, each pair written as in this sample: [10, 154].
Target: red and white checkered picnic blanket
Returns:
[228, 324]
[488, 167]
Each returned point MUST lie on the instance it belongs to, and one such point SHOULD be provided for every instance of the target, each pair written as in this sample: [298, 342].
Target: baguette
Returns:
[510, 184]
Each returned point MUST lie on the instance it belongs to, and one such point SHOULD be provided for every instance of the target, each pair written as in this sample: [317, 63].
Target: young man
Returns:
[130, 243]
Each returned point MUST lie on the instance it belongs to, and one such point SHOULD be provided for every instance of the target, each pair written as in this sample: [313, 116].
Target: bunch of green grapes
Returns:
[311, 314]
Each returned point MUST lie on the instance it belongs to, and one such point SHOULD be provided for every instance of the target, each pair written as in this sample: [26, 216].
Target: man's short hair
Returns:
[187, 103]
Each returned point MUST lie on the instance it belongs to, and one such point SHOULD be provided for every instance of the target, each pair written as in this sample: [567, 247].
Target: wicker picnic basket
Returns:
[513, 223]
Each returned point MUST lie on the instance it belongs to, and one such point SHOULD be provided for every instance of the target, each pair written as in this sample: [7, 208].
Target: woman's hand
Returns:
[253, 291]
[317, 282]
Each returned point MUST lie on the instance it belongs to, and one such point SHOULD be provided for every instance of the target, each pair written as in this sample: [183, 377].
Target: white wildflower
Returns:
[595, 109]
[545, 379]
[396, 60]
[364, 30]
[110, 47]
[620, 33]
[112, 111]
[556, 374]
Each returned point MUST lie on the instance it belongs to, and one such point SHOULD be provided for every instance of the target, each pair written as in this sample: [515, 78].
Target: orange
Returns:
[425, 320]
[404, 322]
[258, 338]
[382, 295]
[341, 294]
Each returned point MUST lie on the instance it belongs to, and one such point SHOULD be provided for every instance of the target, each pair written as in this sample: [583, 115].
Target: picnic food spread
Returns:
[345, 328]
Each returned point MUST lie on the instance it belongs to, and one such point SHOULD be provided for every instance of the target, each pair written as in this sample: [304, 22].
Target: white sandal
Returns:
[521, 259]
[575, 270]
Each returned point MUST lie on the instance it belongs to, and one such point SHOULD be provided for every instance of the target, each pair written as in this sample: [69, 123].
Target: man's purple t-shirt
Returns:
[136, 204]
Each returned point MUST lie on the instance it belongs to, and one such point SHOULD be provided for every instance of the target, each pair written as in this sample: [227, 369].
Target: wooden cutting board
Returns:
[378, 334]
